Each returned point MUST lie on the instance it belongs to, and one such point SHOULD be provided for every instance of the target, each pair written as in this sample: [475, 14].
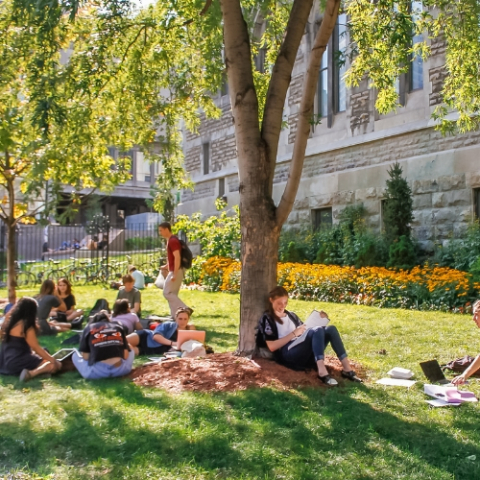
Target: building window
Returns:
[340, 46]
[416, 67]
[476, 203]
[206, 158]
[221, 187]
[323, 86]
[322, 218]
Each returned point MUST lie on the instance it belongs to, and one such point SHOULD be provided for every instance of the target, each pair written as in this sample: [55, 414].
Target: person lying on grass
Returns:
[122, 314]
[104, 351]
[163, 338]
[475, 365]
[20, 352]
[278, 328]
[48, 299]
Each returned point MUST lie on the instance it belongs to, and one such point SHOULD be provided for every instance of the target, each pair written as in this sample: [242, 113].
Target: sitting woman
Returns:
[49, 299]
[475, 365]
[163, 338]
[122, 314]
[64, 288]
[104, 351]
[19, 338]
[278, 328]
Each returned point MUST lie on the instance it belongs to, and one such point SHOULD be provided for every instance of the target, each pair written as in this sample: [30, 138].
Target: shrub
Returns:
[402, 254]
[143, 243]
[219, 236]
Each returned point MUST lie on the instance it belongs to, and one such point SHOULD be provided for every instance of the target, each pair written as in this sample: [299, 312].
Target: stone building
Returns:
[350, 151]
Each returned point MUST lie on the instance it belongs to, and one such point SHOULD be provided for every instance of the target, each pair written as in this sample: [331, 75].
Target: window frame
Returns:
[316, 214]
[206, 158]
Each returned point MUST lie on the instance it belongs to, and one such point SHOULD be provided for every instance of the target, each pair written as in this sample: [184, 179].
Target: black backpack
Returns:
[100, 304]
[186, 255]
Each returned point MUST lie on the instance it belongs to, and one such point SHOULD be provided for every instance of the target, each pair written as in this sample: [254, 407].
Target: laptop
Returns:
[185, 335]
[433, 372]
[63, 354]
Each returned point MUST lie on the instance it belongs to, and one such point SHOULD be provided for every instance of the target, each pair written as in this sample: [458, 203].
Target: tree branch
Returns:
[280, 80]
[306, 110]
[243, 97]
[202, 12]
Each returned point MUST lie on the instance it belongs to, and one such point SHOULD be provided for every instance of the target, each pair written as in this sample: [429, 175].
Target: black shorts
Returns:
[144, 349]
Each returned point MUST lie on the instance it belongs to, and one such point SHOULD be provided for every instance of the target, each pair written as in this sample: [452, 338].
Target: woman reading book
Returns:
[279, 330]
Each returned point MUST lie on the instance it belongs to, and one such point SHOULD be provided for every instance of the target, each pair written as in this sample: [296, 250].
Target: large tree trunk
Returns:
[260, 237]
[260, 220]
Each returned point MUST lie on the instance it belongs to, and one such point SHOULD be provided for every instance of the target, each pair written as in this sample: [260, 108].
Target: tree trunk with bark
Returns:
[11, 225]
[261, 221]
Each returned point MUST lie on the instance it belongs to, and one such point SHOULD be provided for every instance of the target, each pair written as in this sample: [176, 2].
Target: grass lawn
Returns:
[68, 428]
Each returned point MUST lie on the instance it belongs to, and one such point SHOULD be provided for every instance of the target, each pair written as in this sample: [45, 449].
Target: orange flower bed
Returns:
[423, 288]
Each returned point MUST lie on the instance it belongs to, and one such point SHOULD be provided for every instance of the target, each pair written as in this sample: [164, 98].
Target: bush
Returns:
[219, 236]
[298, 245]
[402, 254]
[462, 253]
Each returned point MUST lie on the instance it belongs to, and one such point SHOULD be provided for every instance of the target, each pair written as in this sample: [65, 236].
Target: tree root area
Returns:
[227, 372]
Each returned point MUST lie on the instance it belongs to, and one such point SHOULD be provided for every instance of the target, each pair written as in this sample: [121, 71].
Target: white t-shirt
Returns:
[286, 328]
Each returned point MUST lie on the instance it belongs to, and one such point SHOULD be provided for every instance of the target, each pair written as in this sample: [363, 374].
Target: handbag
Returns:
[461, 364]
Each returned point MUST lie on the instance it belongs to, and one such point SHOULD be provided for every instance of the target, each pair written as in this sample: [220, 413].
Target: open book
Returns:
[315, 319]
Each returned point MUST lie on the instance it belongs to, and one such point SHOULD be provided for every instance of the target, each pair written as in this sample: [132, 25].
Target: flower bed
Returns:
[422, 288]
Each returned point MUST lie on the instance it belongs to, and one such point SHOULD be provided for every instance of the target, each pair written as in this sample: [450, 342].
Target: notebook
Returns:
[185, 335]
[315, 319]
[433, 372]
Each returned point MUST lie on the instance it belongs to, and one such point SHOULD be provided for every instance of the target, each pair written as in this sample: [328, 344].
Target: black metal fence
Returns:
[94, 253]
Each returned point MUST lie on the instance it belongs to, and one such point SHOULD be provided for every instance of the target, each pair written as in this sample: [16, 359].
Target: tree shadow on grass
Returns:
[257, 433]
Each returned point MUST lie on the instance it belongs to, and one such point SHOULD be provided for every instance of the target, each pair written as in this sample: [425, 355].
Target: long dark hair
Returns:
[120, 307]
[47, 288]
[277, 292]
[24, 310]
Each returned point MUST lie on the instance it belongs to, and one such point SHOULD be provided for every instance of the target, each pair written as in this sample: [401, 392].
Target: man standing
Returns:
[174, 279]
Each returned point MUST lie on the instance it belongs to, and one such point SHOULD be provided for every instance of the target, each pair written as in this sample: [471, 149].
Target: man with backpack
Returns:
[176, 263]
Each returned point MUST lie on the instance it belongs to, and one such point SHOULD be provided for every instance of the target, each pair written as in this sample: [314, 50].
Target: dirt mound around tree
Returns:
[227, 372]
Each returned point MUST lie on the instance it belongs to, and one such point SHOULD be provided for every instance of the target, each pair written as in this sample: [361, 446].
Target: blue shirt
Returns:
[165, 329]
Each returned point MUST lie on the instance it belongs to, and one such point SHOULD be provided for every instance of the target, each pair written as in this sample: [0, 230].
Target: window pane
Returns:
[322, 218]
[341, 70]
[416, 69]
[323, 86]
[323, 110]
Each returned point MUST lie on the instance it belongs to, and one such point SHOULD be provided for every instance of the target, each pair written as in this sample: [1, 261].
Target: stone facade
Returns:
[348, 157]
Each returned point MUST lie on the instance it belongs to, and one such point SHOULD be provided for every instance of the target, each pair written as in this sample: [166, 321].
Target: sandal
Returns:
[25, 375]
[352, 376]
[328, 381]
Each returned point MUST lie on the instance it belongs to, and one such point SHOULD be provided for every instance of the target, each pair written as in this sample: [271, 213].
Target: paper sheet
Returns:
[441, 403]
[396, 382]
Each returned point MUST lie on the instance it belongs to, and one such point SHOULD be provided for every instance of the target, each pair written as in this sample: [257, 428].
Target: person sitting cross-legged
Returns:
[104, 351]
[123, 315]
[20, 352]
[278, 328]
[131, 293]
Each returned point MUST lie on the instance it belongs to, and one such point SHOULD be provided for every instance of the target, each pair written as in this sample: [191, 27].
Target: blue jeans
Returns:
[312, 349]
[102, 370]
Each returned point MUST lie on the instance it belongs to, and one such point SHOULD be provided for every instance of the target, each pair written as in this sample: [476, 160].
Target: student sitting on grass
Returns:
[49, 299]
[475, 365]
[278, 328]
[19, 339]
[122, 314]
[163, 338]
[132, 294]
[104, 351]
[64, 288]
